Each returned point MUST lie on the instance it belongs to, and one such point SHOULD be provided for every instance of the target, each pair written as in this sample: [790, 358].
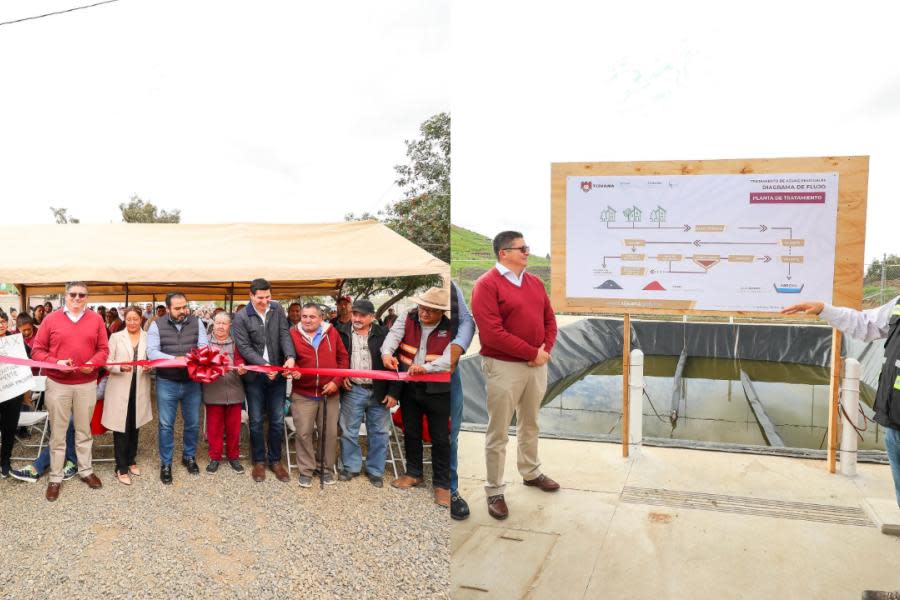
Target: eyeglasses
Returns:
[428, 309]
[522, 249]
[74, 295]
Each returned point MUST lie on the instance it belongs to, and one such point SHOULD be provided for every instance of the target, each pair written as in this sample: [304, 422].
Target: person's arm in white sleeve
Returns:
[865, 325]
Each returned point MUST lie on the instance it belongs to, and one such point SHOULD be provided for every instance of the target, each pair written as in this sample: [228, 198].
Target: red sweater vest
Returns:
[512, 321]
[412, 337]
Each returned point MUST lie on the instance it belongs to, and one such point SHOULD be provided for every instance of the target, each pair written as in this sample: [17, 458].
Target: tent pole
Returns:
[23, 297]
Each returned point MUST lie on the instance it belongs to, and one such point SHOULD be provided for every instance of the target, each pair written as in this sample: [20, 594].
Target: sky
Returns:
[591, 81]
[274, 111]
[282, 111]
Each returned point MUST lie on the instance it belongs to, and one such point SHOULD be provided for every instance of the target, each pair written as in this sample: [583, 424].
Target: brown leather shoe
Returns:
[93, 481]
[543, 483]
[497, 507]
[259, 472]
[52, 491]
[407, 481]
[442, 497]
[280, 472]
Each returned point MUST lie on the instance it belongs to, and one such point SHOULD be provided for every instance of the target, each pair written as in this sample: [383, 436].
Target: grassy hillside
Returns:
[472, 254]
[471, 249]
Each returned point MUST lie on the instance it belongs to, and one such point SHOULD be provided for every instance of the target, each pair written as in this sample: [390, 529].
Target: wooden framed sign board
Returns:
[741, 237]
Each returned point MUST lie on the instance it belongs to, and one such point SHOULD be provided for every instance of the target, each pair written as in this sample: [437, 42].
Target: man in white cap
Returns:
[421, 342]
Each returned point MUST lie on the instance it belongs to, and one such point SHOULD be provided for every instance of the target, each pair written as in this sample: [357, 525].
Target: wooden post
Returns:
[834, 388]
[626, 352]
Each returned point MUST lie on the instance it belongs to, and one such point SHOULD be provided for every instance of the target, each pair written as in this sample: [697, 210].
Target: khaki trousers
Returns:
[512, 388]
[64, 402]
[308, 414]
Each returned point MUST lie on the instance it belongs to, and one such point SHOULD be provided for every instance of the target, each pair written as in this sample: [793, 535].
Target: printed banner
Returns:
[740, 242]
[15, 379]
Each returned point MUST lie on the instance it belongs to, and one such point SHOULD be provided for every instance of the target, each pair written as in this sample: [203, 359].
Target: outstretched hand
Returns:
[809, 308]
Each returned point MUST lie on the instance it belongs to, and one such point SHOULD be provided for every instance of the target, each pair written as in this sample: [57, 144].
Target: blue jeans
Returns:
[266, 397]
[168, 394]
[456, 413]
[892, 445]
[43, 460]
[356, 404]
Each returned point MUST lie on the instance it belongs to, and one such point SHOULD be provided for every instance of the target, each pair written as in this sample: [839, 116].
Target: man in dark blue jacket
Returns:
[261, 333]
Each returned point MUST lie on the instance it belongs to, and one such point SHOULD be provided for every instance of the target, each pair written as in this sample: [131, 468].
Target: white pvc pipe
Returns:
[635, 402]
[850, 418]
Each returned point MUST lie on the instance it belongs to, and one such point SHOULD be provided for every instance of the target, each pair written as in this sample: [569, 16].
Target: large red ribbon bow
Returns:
[206, 364]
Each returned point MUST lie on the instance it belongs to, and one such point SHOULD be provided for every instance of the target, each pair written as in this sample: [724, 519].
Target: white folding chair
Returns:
[289, 433]
[35, 421]
[397, 439]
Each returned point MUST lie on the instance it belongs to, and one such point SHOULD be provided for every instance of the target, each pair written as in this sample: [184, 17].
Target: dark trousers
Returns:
[265, 398]
[125, 443]
[9, 422]
[436, 408]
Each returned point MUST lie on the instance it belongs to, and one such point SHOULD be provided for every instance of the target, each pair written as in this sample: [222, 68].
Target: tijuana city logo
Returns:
[587, 186]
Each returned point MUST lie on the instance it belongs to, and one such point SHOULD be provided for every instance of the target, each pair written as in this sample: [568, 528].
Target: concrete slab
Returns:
[654, 552]
[574, 465]
[874, 481]
[612, 543]
[885, 513]
[742, 475]
[579, 518]
[515, 556]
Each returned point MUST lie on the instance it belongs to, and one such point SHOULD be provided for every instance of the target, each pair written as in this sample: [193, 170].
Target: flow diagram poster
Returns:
[736, 242]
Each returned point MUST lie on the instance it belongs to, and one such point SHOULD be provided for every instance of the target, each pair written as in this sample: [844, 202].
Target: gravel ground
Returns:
[219, 535]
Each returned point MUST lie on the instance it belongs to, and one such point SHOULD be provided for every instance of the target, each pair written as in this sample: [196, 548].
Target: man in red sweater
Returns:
[517, 329]
[71, 336]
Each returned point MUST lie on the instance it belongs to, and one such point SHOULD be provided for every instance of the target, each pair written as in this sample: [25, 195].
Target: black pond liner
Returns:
[582, 345]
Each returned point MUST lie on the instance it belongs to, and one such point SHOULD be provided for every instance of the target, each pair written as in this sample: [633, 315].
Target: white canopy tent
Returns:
[142, 262]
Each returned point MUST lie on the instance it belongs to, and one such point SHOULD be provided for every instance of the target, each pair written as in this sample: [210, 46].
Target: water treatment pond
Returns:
[713, 406]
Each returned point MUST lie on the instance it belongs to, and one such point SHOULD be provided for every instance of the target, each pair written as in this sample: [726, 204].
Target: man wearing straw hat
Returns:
[422, 343]
[517, 329]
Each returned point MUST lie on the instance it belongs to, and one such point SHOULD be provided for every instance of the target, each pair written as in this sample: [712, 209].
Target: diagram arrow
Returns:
[790, 231]
[789, 271]
[684, 227]
[765, 258]
[699, 243]
[605, 257]
[760, 228]
[688, 243]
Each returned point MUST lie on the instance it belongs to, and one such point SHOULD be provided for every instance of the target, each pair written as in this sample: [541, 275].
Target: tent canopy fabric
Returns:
[207, 261]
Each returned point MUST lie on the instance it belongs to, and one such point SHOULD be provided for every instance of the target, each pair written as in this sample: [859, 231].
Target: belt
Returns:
[367, 386]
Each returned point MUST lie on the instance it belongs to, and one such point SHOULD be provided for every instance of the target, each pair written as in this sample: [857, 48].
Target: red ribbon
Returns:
[207, 366]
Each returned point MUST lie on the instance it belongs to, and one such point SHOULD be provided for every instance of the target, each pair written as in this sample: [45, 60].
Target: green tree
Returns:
[423, 214]
[138, 211]
[873, 273]
[62, 216]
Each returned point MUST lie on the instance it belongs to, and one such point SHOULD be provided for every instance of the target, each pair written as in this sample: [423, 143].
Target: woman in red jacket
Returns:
[318, 345]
